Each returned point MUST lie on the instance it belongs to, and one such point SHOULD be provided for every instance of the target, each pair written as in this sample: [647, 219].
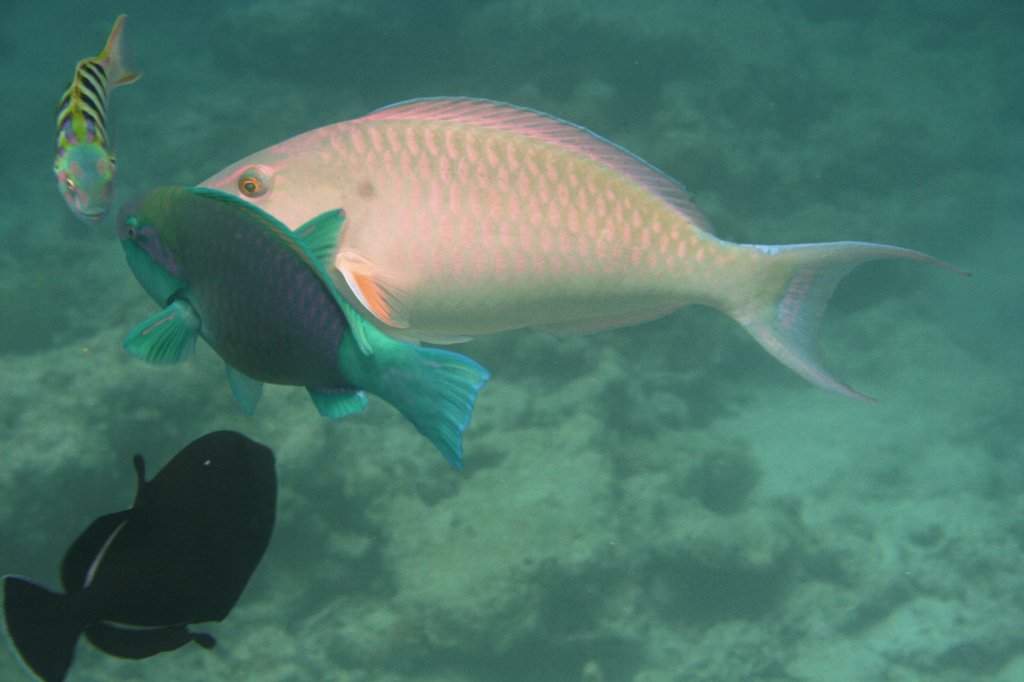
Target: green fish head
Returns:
[146, 227]
[85, 178]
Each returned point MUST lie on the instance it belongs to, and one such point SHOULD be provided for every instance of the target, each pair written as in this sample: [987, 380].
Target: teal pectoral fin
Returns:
[785, 316]
[247, 391]
[435, 389]
[167, 337]
[40, 626]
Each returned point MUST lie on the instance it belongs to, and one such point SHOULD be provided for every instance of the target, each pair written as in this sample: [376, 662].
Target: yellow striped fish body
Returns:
[469, 217]
[84, 162]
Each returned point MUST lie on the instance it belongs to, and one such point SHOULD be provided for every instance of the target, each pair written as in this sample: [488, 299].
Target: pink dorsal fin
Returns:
[501, 116]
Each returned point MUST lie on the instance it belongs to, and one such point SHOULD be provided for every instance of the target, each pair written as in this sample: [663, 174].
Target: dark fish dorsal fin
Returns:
[84, 550]
[532, 123]
[79, 558]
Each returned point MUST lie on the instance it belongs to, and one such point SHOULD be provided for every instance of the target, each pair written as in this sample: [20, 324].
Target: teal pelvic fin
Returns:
[435, 389]
[167, 337]
[247, 391]
[337, 403]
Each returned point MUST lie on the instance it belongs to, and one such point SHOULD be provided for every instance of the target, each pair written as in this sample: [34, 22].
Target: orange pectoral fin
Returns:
[377, 292]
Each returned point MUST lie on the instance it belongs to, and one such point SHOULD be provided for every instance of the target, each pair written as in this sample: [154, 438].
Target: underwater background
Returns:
[656, 503]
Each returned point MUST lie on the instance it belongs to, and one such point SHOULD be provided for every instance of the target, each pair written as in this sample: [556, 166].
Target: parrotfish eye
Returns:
[131, 227]
[69, 183]
[254, 182]
[250, 186]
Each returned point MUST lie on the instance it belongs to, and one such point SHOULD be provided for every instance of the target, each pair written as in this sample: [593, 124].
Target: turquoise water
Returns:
[663, 502]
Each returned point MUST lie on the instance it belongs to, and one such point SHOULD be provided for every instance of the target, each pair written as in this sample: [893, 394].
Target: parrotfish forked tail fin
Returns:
[785, 315]
[40, 626]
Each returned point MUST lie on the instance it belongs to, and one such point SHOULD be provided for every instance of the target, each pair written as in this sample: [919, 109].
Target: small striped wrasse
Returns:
[468, 217]
[84, 161]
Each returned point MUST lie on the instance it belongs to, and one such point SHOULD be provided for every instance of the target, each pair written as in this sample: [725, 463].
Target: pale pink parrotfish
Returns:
[468, 217]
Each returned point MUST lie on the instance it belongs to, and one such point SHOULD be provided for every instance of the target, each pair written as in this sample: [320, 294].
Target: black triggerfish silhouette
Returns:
[136, 579]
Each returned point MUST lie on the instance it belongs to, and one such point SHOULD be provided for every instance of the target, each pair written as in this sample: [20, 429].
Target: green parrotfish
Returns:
[469, 217]
[261, 298]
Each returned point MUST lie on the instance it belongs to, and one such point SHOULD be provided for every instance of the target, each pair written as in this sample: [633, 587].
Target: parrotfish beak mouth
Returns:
[128, 214]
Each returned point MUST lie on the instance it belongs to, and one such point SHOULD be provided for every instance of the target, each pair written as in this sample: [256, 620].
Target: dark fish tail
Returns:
[41, 626]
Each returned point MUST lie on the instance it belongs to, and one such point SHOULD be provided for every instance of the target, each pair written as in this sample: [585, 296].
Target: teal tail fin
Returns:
[40, 626]
[435, 389]
[785, 314]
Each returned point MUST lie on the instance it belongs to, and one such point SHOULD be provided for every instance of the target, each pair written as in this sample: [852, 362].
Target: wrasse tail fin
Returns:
[115, 54]
[785, 319]
[40, 627]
